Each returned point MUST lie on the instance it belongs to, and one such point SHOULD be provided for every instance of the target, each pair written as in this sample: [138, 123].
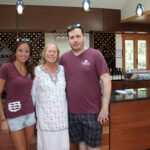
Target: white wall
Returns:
[129, 8]
[61, 40]
[118, 38]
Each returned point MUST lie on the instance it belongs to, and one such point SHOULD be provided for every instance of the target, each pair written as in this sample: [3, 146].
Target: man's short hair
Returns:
[72, 27]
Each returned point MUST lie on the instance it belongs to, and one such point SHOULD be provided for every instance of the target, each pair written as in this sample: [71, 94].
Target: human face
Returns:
[51, 54]
[76, 39]
[22, 53]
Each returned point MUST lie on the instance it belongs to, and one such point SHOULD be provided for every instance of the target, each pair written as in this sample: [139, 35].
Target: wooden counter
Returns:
[130, 125]
[130, 121]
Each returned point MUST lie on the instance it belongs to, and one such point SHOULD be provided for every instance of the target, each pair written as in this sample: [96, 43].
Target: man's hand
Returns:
[103, 116]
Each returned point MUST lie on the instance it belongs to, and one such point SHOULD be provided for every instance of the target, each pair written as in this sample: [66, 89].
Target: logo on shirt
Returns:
[14, 106]
[86, 62]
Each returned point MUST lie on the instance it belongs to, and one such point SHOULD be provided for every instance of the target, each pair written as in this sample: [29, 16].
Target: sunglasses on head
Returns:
[26, 40]
[71, 27]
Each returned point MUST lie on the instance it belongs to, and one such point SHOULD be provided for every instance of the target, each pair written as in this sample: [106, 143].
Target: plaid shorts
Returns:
[85, 127]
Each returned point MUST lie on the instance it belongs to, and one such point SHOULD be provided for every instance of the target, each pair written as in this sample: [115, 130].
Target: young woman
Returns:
[50, 100]
[16, 76]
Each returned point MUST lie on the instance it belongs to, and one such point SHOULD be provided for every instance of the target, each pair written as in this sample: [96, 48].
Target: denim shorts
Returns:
[85, 127]
[21, 122]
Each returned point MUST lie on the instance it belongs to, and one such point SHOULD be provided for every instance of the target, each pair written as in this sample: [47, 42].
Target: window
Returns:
[136, 52]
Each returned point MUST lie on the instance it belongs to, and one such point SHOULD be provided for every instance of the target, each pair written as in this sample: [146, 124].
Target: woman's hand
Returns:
[5, 127]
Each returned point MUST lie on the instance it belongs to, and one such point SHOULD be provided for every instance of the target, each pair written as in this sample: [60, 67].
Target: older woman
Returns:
[49, 97]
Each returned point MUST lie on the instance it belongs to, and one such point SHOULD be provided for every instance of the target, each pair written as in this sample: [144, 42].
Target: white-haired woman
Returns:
[49, 97]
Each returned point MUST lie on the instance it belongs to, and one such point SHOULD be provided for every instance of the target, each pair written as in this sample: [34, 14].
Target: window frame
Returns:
[135, 38]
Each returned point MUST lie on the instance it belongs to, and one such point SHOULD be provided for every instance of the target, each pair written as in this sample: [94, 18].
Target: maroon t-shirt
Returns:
[83, 80]
[18, 91]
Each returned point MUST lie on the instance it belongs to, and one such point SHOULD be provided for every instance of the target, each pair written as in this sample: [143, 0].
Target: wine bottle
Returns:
[122, 74]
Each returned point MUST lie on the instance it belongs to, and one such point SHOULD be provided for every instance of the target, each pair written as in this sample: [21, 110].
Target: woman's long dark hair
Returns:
[29, 63]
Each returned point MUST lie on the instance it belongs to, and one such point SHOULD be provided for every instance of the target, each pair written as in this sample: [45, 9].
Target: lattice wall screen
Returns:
[8, 41]
[105, 42]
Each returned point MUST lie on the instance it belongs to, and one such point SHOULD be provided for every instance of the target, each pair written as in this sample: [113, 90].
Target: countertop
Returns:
[140, 94]
[130, 80]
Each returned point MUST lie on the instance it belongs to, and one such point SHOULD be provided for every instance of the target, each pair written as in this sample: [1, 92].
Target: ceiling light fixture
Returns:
[86, 5]
[139, 10]
[20, 7]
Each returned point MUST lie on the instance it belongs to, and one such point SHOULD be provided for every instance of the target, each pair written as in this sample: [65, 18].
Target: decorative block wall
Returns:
[8, 41]
[105, 42]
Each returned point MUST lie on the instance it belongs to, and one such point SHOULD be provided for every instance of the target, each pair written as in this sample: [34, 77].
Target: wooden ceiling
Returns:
[107, 4]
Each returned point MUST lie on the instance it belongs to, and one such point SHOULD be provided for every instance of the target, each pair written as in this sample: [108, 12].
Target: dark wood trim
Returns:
[129, 84]
[52, 18]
